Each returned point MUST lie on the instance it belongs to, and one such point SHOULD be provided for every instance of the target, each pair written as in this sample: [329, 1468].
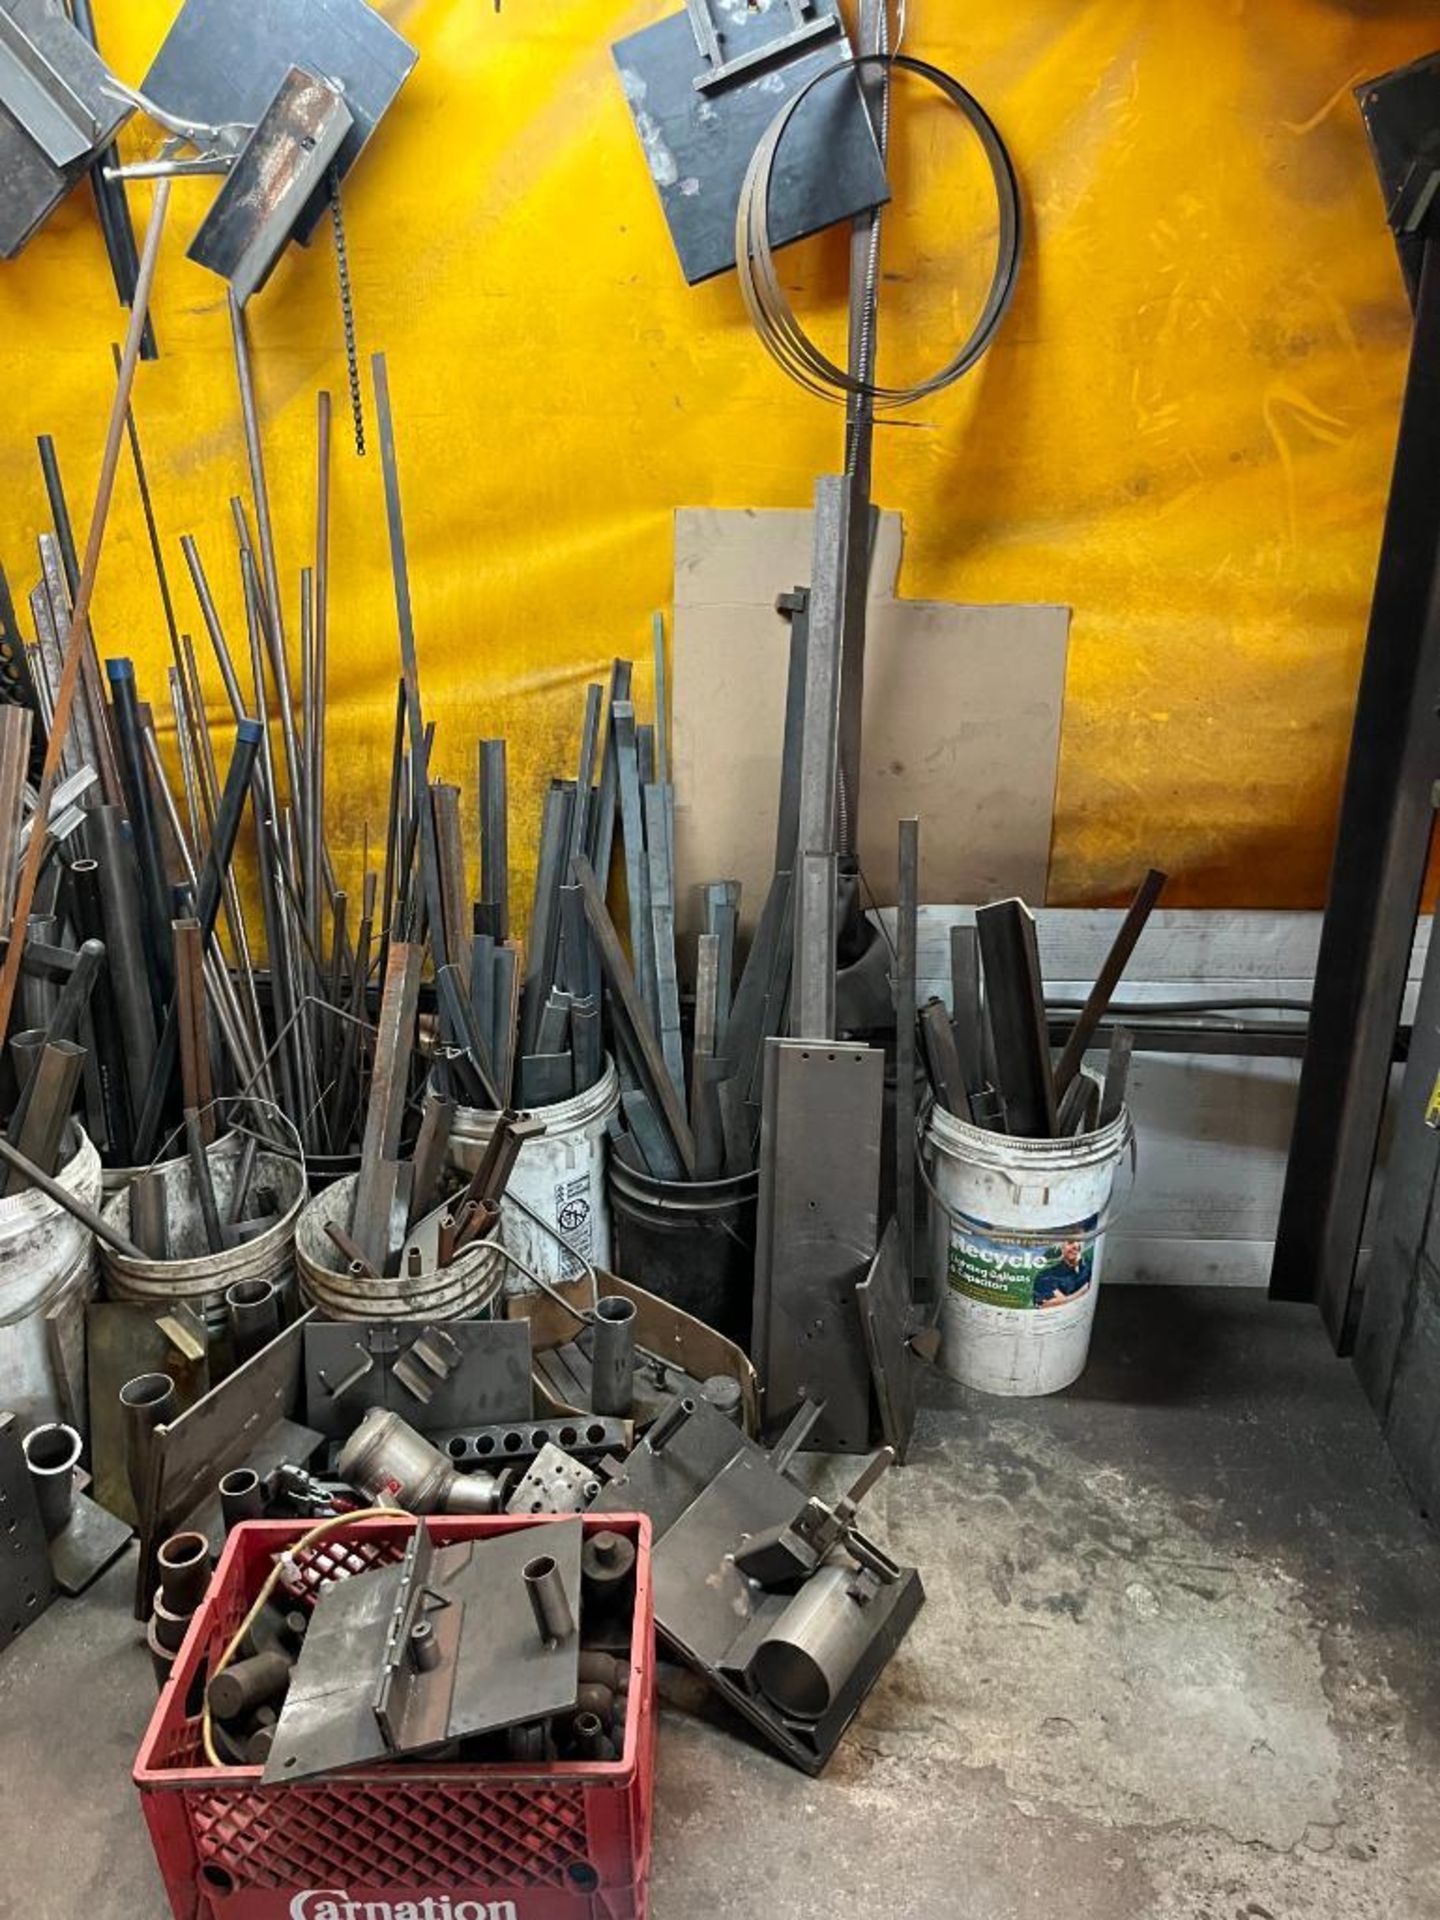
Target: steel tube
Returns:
[184, 1564]
[241, 1497]
[612, 1378]
[146, 1402]
[548, 1599]
[52, 1453]
[253, 1310]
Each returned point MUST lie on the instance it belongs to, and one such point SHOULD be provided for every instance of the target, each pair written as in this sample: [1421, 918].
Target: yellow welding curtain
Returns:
[1184, 432]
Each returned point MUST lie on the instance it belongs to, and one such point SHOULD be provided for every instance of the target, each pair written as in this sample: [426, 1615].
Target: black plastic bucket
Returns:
[689, 1242]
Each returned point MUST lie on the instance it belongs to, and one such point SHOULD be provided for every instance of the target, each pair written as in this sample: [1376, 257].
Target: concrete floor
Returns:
[1179, 1658]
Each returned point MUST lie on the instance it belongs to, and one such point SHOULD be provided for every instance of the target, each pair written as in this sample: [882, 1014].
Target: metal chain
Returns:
[347, 311]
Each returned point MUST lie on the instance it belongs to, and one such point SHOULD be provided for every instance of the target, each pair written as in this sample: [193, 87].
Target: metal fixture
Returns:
[392, 1462]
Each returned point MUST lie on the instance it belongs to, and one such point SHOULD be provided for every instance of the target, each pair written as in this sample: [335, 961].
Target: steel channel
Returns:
[119, 896]
[143, 829]
[106, 1028]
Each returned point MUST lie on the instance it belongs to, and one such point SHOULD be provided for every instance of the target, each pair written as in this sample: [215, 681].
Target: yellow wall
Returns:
[1185, 431]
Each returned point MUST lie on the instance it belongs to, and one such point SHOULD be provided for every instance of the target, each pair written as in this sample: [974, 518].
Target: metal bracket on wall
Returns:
[703, 94]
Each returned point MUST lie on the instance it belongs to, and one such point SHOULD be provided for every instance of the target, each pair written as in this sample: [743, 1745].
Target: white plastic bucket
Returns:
[1017, 1236]
[559, 1178]
[47, 1269]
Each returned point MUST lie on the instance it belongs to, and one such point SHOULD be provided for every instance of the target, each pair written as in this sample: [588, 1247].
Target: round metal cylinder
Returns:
[479, 1492]
[814, 1647]
[612, 1358]
[52, 1453]
[604, 1670]
[548, 1599]
[184, 1563]
[169, 1628]
[248, 1684]
[162, 1656]
[241, 1497]
[253, 1310]
[589, 1737]
[607, 1561]
[146, 1402]
[724, 1395]
[593, 1698]
[388, 1460]
[424, 1647]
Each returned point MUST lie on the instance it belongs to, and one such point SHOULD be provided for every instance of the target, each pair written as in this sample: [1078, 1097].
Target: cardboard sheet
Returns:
[962, 719]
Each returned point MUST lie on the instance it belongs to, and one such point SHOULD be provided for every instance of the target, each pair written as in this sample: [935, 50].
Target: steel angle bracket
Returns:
[460, 1375]
[702, 94]
[221, 63]
[56, 115]
[276, 174]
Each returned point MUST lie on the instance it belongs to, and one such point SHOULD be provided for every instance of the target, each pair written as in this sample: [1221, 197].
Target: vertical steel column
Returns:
[1386, 825]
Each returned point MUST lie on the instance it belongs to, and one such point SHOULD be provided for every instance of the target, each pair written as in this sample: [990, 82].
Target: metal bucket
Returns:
[689, 1242]
[47, 1274]
[468, 1289]
[196, 1275]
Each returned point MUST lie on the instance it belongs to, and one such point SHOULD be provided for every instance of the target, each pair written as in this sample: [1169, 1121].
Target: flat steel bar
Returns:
[815, 933]
[273, 622]
[545, 916]
[1108, 978]
[495, 835]
[315, 741]
[409, 661]
[813, 1001]
[907, 933]
[662, 919]
[52, 1085]
[649, 1059]
[1015, 995]
[196, 1086]
[637, 868]
[602, 827]
[454, 893]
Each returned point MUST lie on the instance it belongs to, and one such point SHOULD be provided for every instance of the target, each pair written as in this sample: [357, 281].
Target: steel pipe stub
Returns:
[184, 1562]
[769, 309]
[52, 1453]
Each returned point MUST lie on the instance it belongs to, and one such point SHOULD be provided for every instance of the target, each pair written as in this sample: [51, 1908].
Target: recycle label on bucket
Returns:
[1001, 1273]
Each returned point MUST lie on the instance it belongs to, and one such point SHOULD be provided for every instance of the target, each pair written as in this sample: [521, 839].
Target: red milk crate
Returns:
[566, 1840]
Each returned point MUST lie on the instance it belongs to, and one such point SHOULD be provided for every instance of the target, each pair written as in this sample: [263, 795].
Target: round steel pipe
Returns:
[815, 1645]
[548, 1599]
[184, 1562]
[52, 1453]
[146, 1402]
[612, 1358]
[253, 1307]
[241, 1497]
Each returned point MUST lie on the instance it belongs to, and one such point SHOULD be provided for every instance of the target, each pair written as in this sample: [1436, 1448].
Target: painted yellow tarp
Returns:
[1184, 432]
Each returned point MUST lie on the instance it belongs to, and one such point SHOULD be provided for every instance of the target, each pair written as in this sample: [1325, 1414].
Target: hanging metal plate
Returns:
[222, 62]
[698, 144]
